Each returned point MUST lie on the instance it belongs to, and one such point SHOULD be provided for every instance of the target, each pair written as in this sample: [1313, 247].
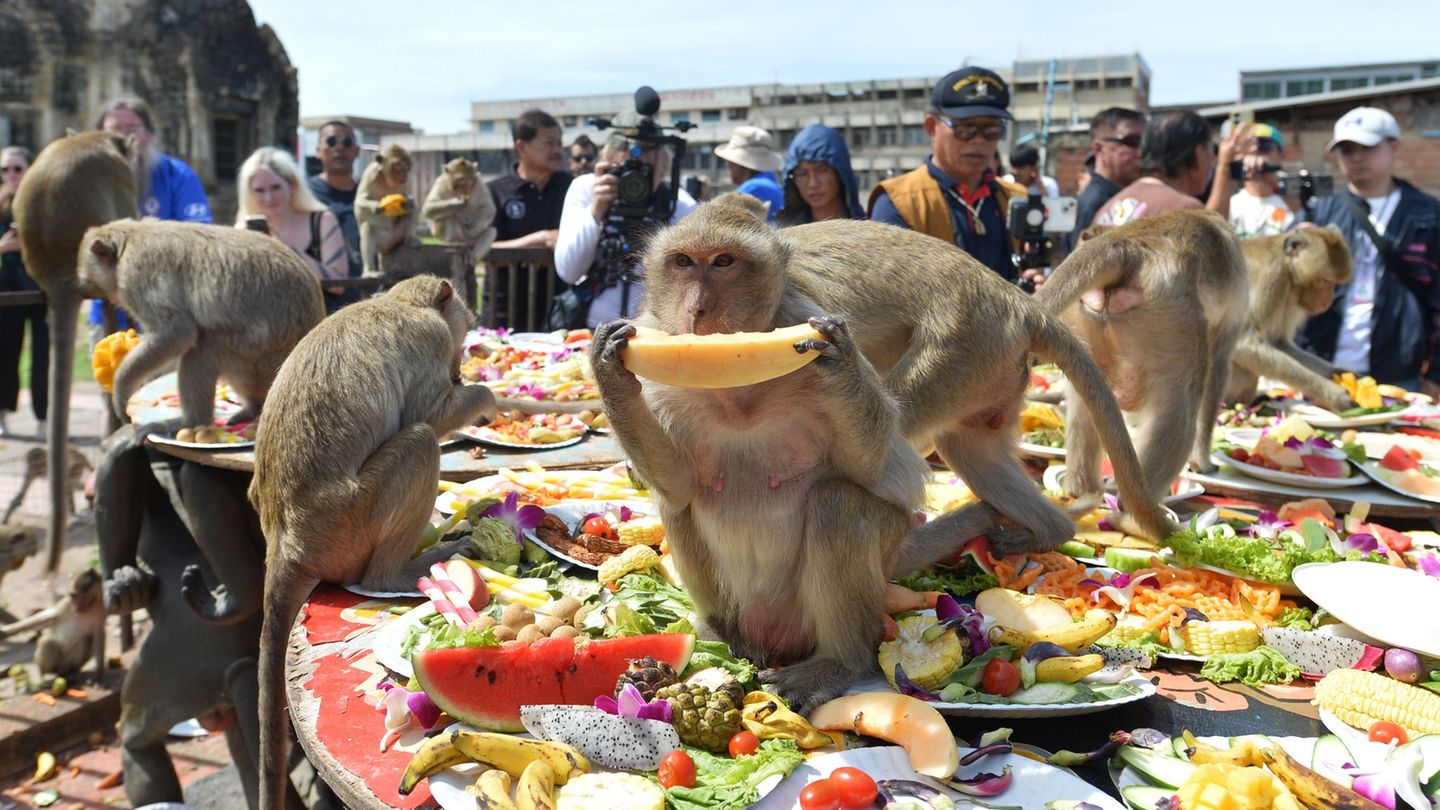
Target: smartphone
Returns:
[257, 223]
[1050, 215]
[1240, 118]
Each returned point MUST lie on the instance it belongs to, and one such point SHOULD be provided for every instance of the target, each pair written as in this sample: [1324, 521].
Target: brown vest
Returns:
[921, 201]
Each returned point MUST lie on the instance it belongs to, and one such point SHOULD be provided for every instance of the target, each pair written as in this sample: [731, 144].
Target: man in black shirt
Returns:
[528, 202]
[1115, 142]
[335, 187]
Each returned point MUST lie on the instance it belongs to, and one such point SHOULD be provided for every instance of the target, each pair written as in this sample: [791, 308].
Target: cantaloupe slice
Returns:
[1022, 611]
[717, 361]
[910, 723]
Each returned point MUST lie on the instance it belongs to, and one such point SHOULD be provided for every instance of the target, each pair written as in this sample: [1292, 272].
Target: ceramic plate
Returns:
[1378, 444]
[1293, 479]
[1381, 601]
[1321, 418]
[485, 435]
[1183, 489]
[1143, 689]
[1035, 782]
[1381, 476]
[169, 441]
[1041, 450]
[387, 640]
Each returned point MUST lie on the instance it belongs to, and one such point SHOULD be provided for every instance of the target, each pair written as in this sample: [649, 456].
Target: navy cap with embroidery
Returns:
[972, 92]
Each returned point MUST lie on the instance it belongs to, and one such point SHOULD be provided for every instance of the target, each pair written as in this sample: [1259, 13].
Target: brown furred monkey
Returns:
[1160, 302]
[382, 234]
[346, 465]
[1292, 277]
[75, 183]
[226, 303]
[71, 631]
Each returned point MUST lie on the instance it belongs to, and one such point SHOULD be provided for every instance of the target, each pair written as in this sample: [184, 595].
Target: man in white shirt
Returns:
[1257, 209]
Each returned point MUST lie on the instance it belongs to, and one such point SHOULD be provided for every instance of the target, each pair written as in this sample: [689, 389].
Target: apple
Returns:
[468, 580]
[1322, 467]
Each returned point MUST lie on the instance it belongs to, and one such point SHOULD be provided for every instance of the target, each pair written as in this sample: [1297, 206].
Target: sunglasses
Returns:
[15, 169]
[587, 158]
[1130, 141]
[347, 141]
[968, 132]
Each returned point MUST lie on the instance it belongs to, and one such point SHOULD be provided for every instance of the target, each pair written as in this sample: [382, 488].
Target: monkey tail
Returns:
[285, 592]
[1053, 341]
[64, 309]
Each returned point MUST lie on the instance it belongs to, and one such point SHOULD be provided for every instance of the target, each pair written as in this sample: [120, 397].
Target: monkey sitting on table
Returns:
[384, 233]
[346, 465]
[787, 503]
[1292, 277]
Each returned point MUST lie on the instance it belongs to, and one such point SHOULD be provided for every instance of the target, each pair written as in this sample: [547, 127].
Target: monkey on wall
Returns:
[71, 630]
[226, 303]
[1160, 302]
[383, 233]
[346, 465]
[75, 183]
[1292, 277]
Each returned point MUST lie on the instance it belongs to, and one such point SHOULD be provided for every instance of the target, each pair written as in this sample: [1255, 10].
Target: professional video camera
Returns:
[1032, 220]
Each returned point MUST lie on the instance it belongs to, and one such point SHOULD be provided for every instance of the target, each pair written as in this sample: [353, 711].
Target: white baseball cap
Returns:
[1366, 126]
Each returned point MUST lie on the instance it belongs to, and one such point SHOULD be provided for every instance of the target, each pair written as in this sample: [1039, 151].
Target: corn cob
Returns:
[647, 531]
[1363, 698]
[926, 663]
[635, 558]
[1129, 629]
[1212, 638]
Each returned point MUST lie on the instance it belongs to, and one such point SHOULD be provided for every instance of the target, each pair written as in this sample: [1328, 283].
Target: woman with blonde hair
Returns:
[270, 187]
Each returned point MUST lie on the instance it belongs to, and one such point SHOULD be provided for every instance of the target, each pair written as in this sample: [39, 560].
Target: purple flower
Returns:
[1361, 542]
[1268, 525]
[519, 519]
[1430, 564]
[632, 704]
[950, 613]
[530, 390]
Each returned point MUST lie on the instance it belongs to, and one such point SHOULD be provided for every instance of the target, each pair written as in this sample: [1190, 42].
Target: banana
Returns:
[1068, 668]
[1310, 788]
[492, 791]
[435, 755]
[1074, 637]
[537, 787]
[1244, 754]
[513, 754]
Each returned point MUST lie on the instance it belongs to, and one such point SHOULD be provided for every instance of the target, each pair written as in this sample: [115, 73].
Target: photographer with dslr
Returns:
[606, 214]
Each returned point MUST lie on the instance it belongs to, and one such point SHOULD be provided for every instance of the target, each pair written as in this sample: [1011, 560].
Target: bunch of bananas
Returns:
[537, 764]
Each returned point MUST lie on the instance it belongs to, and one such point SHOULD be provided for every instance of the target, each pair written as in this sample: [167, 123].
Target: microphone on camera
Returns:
[647, 101]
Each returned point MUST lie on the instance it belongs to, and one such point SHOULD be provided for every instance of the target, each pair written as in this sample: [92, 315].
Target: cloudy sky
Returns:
[424, 61]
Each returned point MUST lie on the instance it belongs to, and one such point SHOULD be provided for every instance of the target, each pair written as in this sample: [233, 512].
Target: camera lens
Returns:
[634, 188]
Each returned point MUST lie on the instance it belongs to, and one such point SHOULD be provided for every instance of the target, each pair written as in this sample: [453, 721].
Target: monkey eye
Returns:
[724, 260]
[681, 260]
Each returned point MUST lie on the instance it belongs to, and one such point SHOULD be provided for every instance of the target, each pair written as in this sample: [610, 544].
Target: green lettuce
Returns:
[1252, 557]
[964, 579]
[717, 654]
[1261, 666]
[434, 632]
[641, 604]
[722, 782]
[1297, 618]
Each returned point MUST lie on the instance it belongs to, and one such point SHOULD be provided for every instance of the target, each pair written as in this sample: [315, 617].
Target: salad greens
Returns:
[1258, 558]
[434, 632]
[641, 604]
[722, 782]
[717, 654]
[966, 578]
[1261, 666]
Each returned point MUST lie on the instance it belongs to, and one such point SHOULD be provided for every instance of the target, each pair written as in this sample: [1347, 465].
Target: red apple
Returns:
[468, 580]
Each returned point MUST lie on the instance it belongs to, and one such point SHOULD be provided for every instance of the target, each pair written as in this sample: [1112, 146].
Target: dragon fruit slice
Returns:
[1318, 654]
[608, 740]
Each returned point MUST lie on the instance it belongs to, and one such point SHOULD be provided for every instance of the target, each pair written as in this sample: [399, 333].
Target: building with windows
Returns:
[1263, 85]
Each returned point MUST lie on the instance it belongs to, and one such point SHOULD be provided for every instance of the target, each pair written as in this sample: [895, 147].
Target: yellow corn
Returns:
[1129, 629]
[646, 531]
[1211, 638]
[927, 664]
[635, 558]
[1363, 698]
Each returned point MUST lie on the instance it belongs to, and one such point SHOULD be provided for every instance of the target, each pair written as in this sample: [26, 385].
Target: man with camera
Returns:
[1384, 321]
[606, 215]
[1258, 209]
[955, 194]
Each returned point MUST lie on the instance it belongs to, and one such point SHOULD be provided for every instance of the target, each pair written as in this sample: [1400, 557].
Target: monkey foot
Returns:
[810, 683]
[216, 607]
[129, 589]
[1016, 540]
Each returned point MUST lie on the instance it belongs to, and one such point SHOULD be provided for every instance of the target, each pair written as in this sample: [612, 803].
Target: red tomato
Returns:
[1000, 677]
[677, 769]
[597, 526]
[1240, 455]
[1385, 731]
[821, 795]
[1398, 459]
[856, 788]
[744, 743]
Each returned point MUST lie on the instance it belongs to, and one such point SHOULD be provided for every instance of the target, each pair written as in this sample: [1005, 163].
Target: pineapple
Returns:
[926, 663]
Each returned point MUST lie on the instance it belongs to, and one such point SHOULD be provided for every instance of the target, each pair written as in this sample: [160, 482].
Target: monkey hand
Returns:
[128, 590]
[835, 344]
[810, 683]
[1334, 397]
[610, 372]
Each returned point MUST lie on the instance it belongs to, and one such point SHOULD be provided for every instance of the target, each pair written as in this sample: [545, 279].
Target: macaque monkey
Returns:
[73, 628]
[346, 465]
[1292, 277]
[382, 234]
[1160, 302]
[75, 183]
[226, 303]
[460, 208]
[35, 469]
[17, 543]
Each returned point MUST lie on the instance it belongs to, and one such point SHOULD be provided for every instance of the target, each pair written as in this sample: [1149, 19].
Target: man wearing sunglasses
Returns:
[335, 187]
[1115, 135]
[955, 195]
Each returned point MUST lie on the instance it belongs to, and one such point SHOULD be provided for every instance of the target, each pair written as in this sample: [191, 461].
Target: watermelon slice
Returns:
[1398, 459]
[486, 686]
[977, 551]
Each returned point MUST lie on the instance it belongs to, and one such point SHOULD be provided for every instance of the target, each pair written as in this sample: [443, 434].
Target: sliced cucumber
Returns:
[1157, 768]
[1144, 797]
[1048, 693]
[1075, 548]
[1181, 749]
[1128, 559]
[1330, 753]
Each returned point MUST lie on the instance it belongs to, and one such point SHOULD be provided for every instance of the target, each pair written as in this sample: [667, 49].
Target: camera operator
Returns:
[1258, 209]
[585, 218]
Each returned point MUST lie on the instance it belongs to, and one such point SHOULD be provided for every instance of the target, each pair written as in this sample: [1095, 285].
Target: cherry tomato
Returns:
[821, 795]
[1240, 455]
[743, 743]
[1385, 731]
[1000, 677]
[597, 526]
[677, 769]
[856, 788]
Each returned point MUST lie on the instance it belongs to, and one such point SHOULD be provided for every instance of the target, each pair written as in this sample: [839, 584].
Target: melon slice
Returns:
[1021, 611]
[717, 361]
[486, 686]
[912, 724]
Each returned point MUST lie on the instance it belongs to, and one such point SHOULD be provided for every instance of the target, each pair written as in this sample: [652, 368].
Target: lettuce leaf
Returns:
[964, 579]
[717, 654]
[1252, 557]
[722, 782]
[1261, 666]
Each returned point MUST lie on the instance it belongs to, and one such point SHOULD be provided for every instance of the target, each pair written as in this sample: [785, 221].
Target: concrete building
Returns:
[1263, 85]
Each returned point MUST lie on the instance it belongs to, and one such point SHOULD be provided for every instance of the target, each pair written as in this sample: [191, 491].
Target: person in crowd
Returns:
[1178, 163]
[603, 291]
[1114, 162]
[752, 164]
[582, 155]
[529, 199]
[14, 162]
[1383, 322]
[1087, 173]
[819, 183]
[1257, 209]
[1025, 171]
[334, 187]
[955, 195]
[269, 186]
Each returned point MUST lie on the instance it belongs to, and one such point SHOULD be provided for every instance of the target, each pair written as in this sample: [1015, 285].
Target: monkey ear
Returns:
[105, 252]
[1294, 244]
[443, 296]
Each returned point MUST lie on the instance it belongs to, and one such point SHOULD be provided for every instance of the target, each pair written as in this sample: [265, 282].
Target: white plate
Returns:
[1381, 476]
[1018, 711]
[1054, 478]
[169, 441]
[1293, 479]
[1321, 418]
[1394, 605]
[1378, 444]
[485, 435]
[1041, 450]
[1035, 783]
[1244, 437]
[387, 640]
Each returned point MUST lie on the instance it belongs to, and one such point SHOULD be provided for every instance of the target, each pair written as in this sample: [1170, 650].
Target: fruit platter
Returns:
[1047, 383]
[1376, 404]
[528, 431]
[537, 376]
[1292, 452]
[1406, 472]
[1042, 430]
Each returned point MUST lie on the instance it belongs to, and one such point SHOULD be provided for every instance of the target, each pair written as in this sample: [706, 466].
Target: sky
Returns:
[424, 61]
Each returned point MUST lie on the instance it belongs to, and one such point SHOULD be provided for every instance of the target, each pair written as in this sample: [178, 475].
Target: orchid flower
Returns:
[1121, 589]
[1268, 525]
[1430, 565]
[950, 613]
[518, 519]
[632, 704]
[1112, 504]
[400, 706]
[1382, 772]
[1206, 519]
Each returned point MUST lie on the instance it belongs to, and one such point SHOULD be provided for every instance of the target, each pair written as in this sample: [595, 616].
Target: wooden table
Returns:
[332, 681]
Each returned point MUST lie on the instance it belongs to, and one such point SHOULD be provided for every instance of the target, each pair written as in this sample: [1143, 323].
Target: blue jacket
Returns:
[764, 187]
[1407, 297]
[818, 142]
